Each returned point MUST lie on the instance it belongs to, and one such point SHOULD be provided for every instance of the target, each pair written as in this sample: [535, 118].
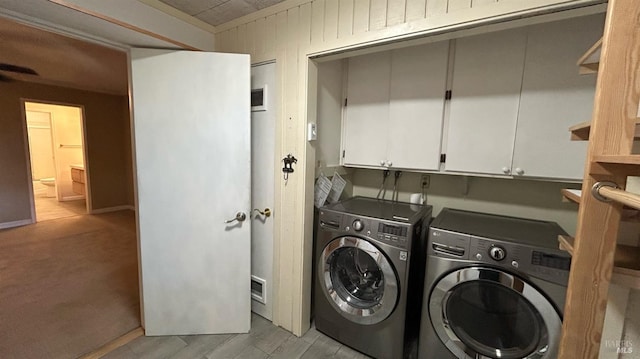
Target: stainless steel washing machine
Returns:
[495, 287]
[369, 257]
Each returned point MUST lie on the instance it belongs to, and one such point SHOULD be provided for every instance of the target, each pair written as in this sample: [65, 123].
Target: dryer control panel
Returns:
[544, 263]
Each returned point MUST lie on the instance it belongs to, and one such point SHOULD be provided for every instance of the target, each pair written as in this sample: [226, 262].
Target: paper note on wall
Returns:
[323, 187]
[337, 186]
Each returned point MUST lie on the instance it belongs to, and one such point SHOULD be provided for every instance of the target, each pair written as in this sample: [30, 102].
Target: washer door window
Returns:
[358, 279]
[486, 313]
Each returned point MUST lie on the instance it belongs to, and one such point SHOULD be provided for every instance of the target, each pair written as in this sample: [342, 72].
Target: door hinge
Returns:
[343, 153]
[443, 158]
[447, 95]
[345, 102]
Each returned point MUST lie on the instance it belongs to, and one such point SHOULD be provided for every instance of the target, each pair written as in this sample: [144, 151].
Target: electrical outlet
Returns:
[425, 181]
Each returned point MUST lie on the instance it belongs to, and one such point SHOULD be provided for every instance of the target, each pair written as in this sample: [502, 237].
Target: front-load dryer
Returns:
[495, 287]
[369, 257]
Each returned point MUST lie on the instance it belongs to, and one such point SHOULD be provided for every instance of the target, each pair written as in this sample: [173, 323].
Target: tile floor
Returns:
[264, 341]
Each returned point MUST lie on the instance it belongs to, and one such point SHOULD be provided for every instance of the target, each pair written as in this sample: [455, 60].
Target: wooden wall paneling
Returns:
[378, 14]
[416, 9]
[317, 21]
[476, 3]
[242, 39]
[270, 37]
[283, 251]
[304, 246]
[455, 5]
[331, 20]
[396, 11]
[304, 34]
[612, 132]
[250, 42]
[436, 7]
[360, 16]
[291, 206]
[222, 41]
[259, 39]
[345, 18]
[233, 40]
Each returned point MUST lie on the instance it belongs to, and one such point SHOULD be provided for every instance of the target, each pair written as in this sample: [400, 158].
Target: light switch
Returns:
[312, 132]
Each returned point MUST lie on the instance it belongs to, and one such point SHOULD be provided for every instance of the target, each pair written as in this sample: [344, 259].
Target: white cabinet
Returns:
[554, 97]
[487, 78]
[395, 108]
[515, 94]
[366, 118]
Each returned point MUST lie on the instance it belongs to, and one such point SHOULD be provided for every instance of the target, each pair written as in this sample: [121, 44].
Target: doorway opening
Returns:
[55, 136]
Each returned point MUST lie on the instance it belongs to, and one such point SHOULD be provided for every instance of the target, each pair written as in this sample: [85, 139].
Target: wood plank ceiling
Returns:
[216, 12]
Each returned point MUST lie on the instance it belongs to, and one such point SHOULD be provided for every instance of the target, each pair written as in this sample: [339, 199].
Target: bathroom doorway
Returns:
[57, 160]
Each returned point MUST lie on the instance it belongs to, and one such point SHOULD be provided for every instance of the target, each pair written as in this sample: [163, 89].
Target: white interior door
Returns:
[192, 146]
[263, 164]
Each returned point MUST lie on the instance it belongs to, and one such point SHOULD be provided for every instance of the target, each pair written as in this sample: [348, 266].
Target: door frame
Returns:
[23, 111]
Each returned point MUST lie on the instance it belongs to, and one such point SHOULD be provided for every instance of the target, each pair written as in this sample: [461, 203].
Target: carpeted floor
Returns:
[67, 286]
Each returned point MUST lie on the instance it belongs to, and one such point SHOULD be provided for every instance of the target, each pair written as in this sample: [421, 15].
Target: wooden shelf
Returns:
[626, 270]
[571, 195]
[618, 159]
[590, 61]
[581, 131]
[566, 243]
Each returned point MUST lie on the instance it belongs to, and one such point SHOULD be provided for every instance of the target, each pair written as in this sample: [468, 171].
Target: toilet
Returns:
[50, 182]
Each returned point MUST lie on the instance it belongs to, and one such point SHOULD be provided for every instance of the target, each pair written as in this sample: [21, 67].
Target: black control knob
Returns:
[358, 225]
[497, 253]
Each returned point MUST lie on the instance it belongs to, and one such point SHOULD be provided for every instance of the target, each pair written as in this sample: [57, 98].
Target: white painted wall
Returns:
[292, 31]
[511, 197]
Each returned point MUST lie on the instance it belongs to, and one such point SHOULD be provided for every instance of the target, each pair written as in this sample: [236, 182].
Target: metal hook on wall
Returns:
[288, 165]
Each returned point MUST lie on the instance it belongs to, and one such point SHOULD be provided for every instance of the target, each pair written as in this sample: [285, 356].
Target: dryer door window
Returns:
[359, 281]
[484, 312]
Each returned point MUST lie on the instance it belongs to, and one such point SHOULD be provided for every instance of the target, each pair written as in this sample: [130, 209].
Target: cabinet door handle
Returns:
[519, 171]
[506, 170]
[389, 163]
[382, 163]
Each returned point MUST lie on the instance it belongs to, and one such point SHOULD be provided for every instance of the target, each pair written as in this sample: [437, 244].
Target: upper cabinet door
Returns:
[554, 97]
[487, 78]
[418, 81]
[366, 118]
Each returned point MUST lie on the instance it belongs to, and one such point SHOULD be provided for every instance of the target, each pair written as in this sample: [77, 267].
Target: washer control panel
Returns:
[388, 232]
[497, 252]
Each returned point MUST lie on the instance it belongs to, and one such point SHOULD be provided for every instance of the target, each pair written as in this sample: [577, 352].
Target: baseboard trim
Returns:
[112, 209]
[19, 223]
[115, 344]
[72, 198]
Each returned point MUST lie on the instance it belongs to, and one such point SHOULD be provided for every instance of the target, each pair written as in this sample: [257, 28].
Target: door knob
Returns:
[506, 170]
[266, 212]
[519, 171]
[240, 217]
